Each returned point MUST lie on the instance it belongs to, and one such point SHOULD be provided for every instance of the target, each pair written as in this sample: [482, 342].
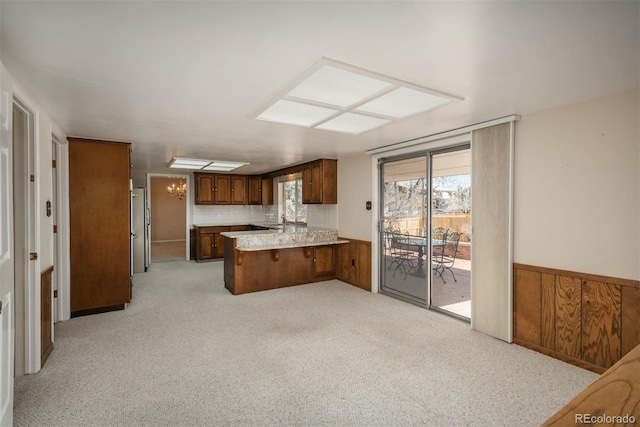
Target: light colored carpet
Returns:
[186, 352]
[168, 251]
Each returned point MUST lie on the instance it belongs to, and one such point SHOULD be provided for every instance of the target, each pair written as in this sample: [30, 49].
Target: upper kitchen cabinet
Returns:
[99, 225]
[320, 182]
[217, 189]
[260, 190]
[239, 192]
[205, 186]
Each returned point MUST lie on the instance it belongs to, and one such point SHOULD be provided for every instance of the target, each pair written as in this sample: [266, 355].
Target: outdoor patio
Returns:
[453, 296]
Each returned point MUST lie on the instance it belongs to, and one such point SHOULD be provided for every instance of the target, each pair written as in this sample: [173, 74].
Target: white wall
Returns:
[355, 188]
[577, 187]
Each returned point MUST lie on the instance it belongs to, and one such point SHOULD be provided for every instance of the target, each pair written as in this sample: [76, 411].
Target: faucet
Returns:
[284, 220]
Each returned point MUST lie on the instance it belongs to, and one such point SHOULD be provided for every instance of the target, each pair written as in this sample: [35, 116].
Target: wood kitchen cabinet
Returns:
[99, 209]
[260, 190]
[238, 184]
[320, 182]
[354, 263]
[588, 320]
[210, 243]
[324, 263]
[222, 190]
[205, 187]
[219, 189]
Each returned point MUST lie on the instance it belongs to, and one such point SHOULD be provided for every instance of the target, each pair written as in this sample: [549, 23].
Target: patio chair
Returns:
[445, 256]
[390, 251]
[402, 254]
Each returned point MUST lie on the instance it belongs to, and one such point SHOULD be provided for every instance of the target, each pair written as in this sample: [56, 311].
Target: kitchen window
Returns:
[291, 200]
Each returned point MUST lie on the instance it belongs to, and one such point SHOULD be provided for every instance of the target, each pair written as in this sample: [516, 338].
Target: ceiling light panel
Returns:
[208, 165]
[402, 102]
[352, 123]
[330, 85]
[295, 113]
[182, 163]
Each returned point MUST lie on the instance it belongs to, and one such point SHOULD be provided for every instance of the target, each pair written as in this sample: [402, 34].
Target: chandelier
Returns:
[179, 190]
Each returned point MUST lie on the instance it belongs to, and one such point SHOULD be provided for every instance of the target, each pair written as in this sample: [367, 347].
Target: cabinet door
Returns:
[316, 182]
[222, 189]
[324, 261]
[306, 185]
[238, 190]
[361, 256]
[267, 191]
[255, 190]
[218, 247]
[206, 244]
[204, 189]
[344, 267]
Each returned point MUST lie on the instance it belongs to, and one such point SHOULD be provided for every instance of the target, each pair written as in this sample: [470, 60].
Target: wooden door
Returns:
[323, 261]
[6, 254]
[222, 190]
[204, 189]
[238, 190]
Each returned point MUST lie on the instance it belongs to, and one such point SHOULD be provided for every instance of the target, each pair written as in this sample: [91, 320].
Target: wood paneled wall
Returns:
[589, 320]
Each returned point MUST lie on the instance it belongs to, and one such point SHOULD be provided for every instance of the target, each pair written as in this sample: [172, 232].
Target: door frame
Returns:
[30, 199]
[62, 271]
[187, 178]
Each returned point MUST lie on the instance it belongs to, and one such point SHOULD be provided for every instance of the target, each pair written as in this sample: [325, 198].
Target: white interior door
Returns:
[6, 258]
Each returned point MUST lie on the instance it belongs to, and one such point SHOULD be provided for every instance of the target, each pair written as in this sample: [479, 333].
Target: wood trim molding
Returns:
[583, 276]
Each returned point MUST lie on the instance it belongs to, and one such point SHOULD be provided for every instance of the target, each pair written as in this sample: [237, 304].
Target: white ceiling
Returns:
[180, 78]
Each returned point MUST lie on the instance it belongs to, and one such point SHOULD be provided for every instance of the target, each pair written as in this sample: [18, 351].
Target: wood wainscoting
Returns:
[354, 263]
[588, 320]
[46, 314]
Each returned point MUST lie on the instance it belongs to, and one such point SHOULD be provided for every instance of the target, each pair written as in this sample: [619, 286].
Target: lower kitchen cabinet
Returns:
[324, 261]
[260, 270]
[354, 263]
[210, 243]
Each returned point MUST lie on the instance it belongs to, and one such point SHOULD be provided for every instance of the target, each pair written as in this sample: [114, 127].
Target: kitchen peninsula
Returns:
[269, 259]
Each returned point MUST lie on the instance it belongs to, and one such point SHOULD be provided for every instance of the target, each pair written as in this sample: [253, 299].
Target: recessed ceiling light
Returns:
[330, 85]
[208, 165]
[295, 113]
[352, 123]
[403, 102]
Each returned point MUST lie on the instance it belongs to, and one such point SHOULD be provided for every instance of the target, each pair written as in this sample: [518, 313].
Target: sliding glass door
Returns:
[425, 229]
[450, 220]
[404, 204]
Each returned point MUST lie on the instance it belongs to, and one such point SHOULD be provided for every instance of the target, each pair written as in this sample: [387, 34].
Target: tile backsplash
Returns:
[325, 216]
[234, 214]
